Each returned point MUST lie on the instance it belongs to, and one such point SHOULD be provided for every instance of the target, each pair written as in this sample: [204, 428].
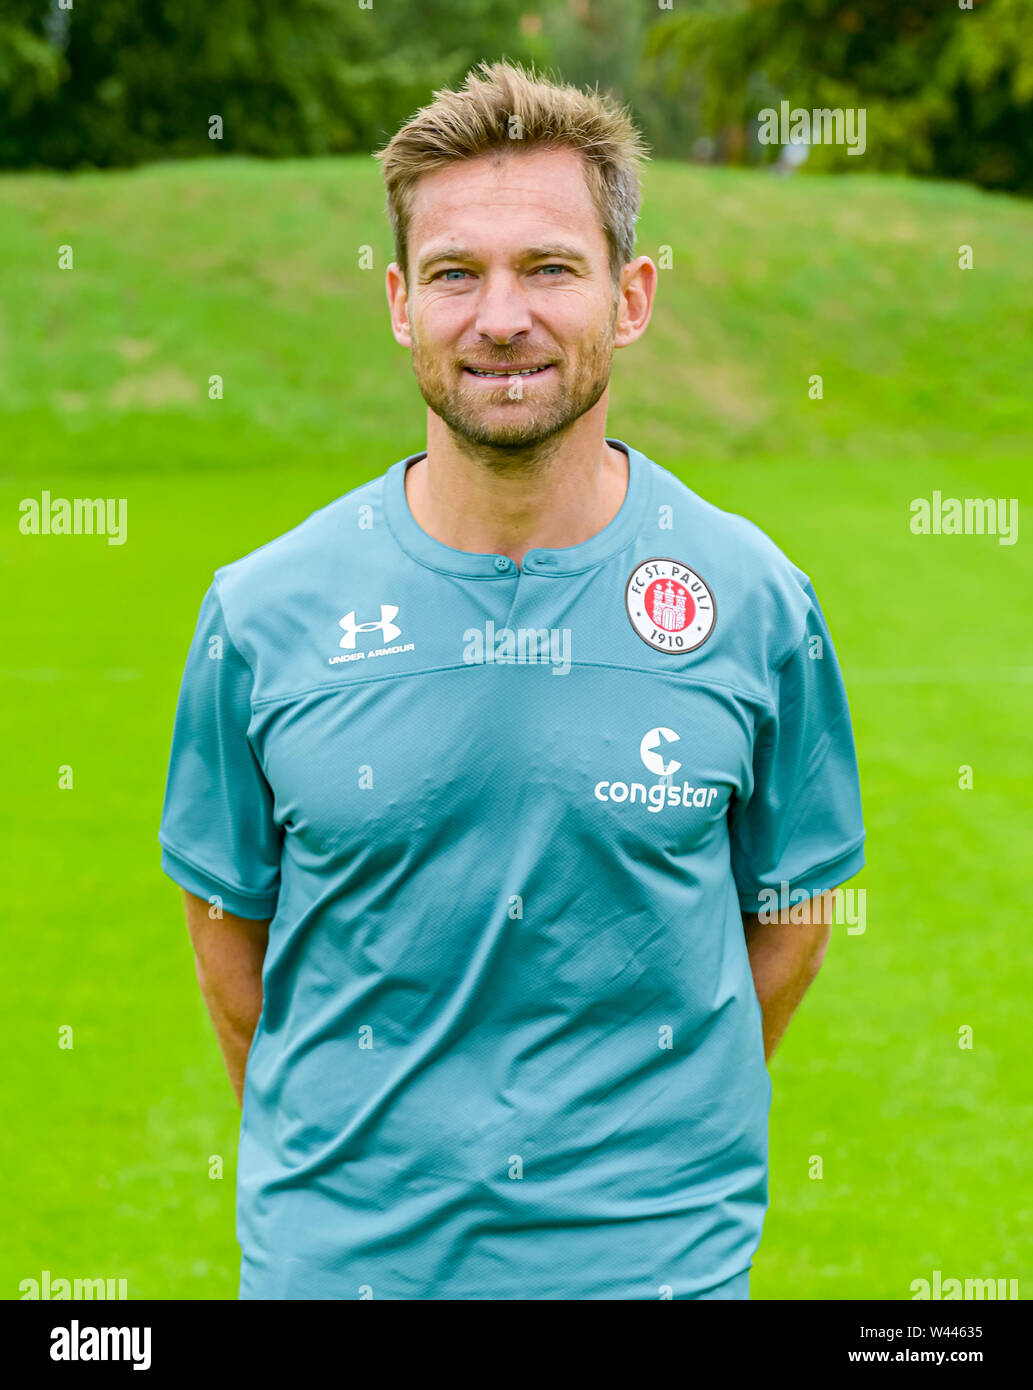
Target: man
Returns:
[482, 775]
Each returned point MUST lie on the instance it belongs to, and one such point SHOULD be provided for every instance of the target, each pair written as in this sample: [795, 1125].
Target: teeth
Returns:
[528, 371]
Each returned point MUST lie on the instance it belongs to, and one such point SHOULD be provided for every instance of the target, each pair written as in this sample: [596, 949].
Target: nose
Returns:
[503, 311]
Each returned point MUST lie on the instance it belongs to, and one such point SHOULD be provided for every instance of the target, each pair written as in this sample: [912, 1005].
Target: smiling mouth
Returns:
[505, 375]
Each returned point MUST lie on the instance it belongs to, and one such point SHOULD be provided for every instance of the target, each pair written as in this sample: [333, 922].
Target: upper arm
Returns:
[219, 834]
[797, 830]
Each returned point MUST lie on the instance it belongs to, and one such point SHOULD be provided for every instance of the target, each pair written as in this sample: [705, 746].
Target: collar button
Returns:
[501, 563]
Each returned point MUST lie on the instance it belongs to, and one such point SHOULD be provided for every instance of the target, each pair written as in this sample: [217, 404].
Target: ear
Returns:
[398, 304]
[637, 293]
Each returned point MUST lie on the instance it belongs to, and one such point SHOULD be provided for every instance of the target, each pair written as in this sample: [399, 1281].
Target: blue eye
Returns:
[454, 270]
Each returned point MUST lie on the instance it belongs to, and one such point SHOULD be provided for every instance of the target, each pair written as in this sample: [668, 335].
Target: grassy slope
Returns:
[250, 271]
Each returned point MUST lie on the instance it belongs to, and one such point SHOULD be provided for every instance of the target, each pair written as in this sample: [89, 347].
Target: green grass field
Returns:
[250, 271]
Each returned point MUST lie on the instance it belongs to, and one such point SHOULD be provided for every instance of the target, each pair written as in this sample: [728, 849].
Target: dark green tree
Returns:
[117, 82]
[947, 91]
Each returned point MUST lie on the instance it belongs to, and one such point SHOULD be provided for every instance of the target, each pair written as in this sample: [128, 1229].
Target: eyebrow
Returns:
[558, 250]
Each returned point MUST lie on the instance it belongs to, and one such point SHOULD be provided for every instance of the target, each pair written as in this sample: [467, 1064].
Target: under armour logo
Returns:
[386, 626]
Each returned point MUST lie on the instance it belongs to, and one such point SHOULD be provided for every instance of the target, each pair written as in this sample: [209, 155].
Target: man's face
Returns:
[509, 270]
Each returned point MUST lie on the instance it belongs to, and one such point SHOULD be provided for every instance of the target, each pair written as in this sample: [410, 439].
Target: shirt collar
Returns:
[472, 565]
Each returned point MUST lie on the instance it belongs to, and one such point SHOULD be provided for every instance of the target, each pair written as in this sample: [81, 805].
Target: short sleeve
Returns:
[801, 826]
[218, 835]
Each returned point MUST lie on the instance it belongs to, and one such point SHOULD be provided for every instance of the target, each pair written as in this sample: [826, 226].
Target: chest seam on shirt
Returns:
[688, 678]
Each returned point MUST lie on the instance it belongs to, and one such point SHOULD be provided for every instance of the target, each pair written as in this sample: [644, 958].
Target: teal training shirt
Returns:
[505, 822]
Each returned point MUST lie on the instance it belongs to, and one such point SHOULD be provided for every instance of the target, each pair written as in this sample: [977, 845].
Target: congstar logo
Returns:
[662, 793]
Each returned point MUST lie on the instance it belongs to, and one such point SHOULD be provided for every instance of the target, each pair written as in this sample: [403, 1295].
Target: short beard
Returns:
[529, 442]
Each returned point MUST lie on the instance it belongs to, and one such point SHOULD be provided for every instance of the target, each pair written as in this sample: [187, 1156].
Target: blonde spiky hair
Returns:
[508, 109]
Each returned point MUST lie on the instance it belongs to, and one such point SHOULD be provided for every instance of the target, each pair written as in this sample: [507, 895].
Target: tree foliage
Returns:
[947, 91]
[117, 82]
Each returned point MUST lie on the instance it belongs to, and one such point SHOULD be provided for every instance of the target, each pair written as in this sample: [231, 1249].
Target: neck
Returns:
[505, 502]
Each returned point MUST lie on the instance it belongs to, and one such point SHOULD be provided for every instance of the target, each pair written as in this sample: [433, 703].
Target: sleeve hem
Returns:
[819, 879]
[256, 906]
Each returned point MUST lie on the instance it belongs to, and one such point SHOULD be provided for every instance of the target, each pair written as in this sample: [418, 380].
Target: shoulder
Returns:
[755, 583]
[730, 540]
[272, 597]
[308, 556]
